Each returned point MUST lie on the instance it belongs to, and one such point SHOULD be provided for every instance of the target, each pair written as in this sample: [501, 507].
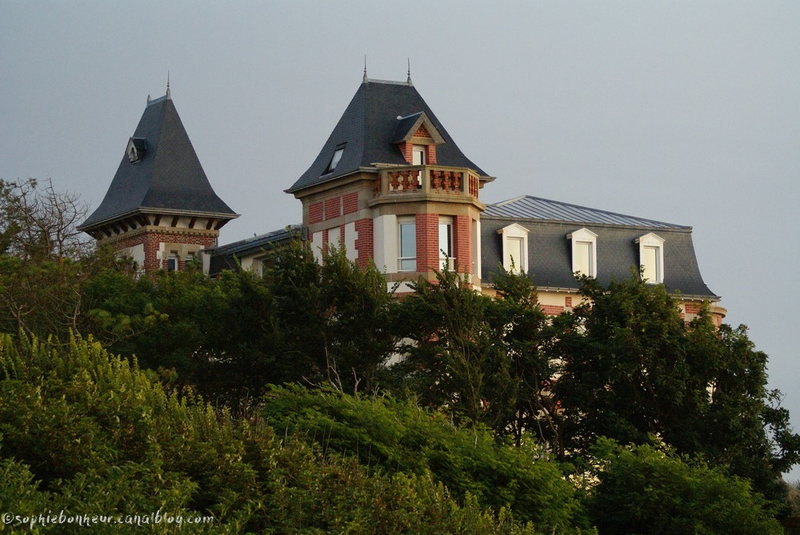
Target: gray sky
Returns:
[686, 112]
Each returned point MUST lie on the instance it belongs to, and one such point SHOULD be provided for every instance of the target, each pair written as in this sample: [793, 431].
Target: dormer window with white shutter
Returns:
[584, 252]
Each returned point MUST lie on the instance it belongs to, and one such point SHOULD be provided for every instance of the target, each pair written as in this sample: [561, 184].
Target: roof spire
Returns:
[169, 93]
[365, 69]
[408, 81]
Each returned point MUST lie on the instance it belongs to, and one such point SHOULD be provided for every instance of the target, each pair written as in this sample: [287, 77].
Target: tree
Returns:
[632, 368]
[526, 337]
[452, 358]
[40, 223]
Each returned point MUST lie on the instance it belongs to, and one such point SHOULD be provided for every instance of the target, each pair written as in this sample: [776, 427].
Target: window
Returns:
[418, 155]
[407, 257]
[172, 261]
[584, 252]
[515, 248]
[337, 156]
[446, 243]
[651, 258]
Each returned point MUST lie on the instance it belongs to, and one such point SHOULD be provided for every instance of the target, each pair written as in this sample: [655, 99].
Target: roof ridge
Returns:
[377, 81]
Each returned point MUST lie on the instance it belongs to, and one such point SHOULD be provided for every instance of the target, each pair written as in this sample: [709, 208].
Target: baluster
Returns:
[457, 183]
[437, 181]
[393, 183]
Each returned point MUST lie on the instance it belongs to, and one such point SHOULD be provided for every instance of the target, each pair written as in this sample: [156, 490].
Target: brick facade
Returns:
[462, 241]
[315, 213]
[333, 208]
[350, 203]
[427, 241]
[364, 242]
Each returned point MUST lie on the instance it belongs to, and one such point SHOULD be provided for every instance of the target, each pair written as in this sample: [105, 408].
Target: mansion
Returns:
[392, 187]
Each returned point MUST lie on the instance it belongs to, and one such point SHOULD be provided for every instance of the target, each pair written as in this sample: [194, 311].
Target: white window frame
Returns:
[446, 254]
[651, 242]
[419, 154]
[511, 234]
[402, 221]
[582, 237]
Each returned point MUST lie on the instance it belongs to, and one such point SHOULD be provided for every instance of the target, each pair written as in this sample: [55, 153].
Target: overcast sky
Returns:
[685, 112]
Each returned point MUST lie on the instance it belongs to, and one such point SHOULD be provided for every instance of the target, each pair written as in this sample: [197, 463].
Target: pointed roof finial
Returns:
[365, 69]
[148, 99]
[408, 81]
[169, 93]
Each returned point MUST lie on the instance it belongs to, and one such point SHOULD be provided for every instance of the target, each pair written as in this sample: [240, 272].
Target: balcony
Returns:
[428, 182]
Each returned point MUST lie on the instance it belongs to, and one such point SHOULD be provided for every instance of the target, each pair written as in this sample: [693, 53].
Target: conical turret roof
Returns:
[160, 172]
[368, 132]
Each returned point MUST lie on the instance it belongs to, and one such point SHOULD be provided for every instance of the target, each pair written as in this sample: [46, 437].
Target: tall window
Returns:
[516, 252]
[407, 234]
[515, 248]
[651, 258]
[584, 252]
[446, 243]
[172, 261]
[650, 262]
[418, 155]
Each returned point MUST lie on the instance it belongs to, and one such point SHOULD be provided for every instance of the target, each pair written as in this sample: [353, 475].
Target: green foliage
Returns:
[632, 368]
[90, 433]
[644, 490]
[453, 361]
[527, 337]
[394, 436]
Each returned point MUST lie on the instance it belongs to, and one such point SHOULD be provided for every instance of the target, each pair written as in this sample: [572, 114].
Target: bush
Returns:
[644, 490]
[398, 437]
[86, 432]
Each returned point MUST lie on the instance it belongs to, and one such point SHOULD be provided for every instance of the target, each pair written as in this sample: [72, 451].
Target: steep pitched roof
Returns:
[549, 257]
[367, 131]
[168, 176]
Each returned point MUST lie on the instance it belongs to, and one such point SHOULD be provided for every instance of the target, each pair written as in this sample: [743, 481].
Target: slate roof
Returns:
[224, 257]
[549, 250]
[367, 129]
[168, 176]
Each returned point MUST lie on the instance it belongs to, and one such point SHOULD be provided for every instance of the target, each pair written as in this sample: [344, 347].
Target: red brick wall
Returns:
[333, 208]
[462, 242]
[693, 308]
[568, 301]
[364, 242]
[315, 213]
[422, 132]
[427, 241]
[552, 310]
[430, 155]
[407, 149]
[350, 202]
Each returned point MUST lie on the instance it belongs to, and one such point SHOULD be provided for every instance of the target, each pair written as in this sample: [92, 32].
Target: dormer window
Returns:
[584, 252]
[136, 149]
[335, 159]
[515, 248]
[651, 258]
